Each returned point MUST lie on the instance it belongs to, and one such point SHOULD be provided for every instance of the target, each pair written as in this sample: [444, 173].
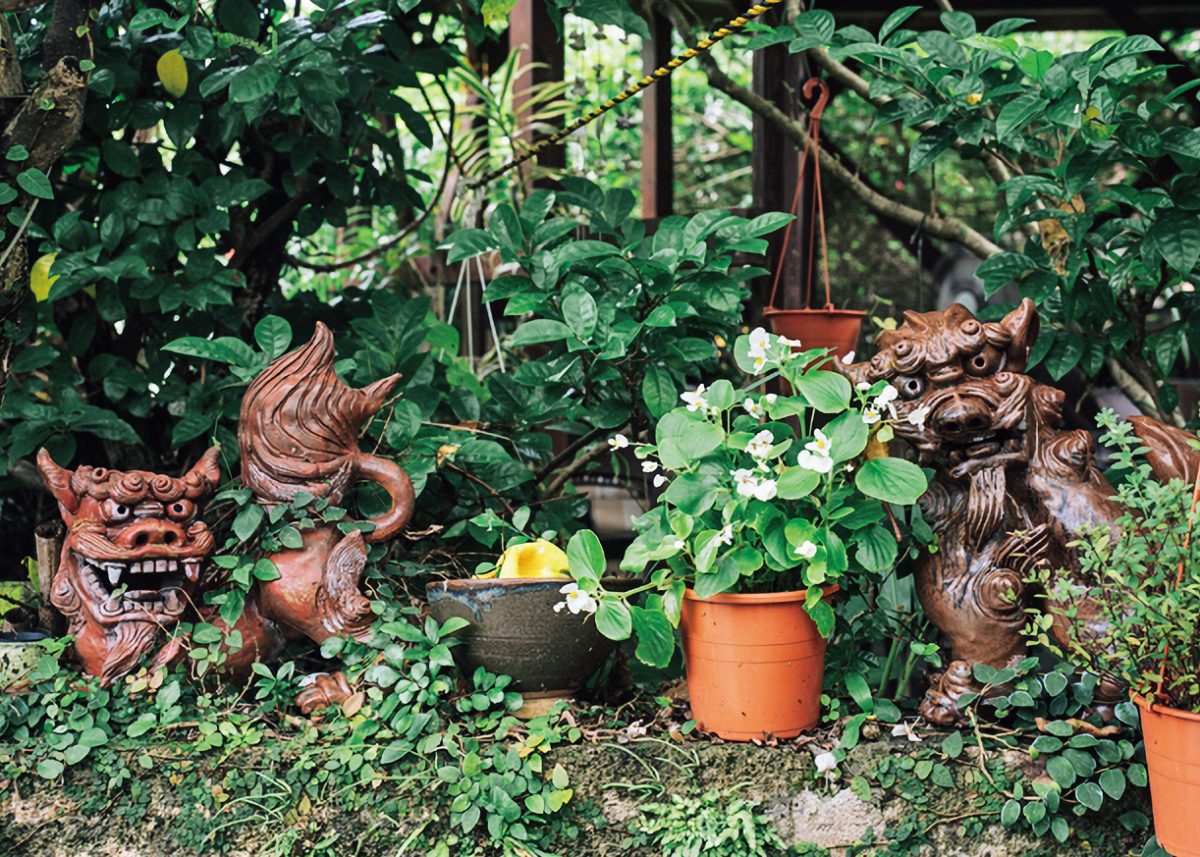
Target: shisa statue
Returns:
[134, 559]
[1011, 488]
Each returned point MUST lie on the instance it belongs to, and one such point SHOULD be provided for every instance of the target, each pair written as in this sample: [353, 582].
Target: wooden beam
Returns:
[531, 30]
[658, 167]
[775, 162]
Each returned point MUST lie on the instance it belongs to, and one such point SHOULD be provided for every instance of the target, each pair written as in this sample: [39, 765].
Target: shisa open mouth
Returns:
[154, 584]
[982, 446]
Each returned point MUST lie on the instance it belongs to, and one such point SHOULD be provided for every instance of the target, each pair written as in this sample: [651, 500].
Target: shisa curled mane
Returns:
[300, 424]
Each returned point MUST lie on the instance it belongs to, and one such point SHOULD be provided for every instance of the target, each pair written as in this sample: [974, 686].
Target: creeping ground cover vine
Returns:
[763, 492]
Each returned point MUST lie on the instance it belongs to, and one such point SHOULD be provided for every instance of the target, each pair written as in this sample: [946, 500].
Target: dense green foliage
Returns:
[1137, 586]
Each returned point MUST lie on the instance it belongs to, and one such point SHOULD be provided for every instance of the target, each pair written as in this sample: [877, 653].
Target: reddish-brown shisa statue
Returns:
[133, 560]
[1011, 489]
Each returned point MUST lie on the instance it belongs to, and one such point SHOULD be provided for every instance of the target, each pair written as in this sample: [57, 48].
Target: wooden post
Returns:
[778, 76]
[531, 31]
[658, 167]
[48, 539]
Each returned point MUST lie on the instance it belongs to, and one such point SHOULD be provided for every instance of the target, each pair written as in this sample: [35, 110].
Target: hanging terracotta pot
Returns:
[815, 327]
[838, 329]
[754, 662]
[1173, 760]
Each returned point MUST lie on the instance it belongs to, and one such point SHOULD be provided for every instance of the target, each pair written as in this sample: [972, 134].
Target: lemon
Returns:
[172, 71]
[533, 560]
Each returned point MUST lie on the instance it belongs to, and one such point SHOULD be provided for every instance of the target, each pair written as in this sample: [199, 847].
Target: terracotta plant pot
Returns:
[1173, 759]
[754, 663]
[19, 655]
[838, 329]
[515, 631]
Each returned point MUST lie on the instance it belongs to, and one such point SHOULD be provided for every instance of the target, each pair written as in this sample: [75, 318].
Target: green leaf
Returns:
[1017, 113]
[692, 493]
[847, 435]
[585, 556]
[1089, 795]
[273, 335]
[658, 390]
[50, 769]
[34, 182]
[1113, 783]
[224, 349]
[930, 146]
[959, 24]
[894, 20]
[1010, 812]
[828, 392]
[1061, 771]
[247, 521]
[613, 619]
[1176, 237]
[716, 582]
[797, 482]
[253, 82]
[860, 692]
[892, 480]
[579, 311]
[876, 548]
[539, 330]
[466, 243]
[655, 636]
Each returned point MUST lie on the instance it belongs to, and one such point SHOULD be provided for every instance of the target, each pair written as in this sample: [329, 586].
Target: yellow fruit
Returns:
[40, 280]
[876, 449]
[533, 559]
[974, 98]
[172, 71]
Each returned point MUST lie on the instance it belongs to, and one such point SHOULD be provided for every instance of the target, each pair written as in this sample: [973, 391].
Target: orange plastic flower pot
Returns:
[754, 664]
[1173, 759]
[838, 329]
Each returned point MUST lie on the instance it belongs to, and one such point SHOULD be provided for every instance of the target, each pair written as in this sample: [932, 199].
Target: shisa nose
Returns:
[153, 531]
[962, 416]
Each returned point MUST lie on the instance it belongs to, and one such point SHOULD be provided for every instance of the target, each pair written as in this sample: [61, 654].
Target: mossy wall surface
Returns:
[914, 815]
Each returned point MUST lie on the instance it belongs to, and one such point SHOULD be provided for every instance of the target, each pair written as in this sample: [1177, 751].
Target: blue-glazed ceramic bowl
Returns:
[513, 629]
[19, 654]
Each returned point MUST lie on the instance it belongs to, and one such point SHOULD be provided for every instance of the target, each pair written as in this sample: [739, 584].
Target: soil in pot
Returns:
[755, 664]
[514, 630]
[1172, 740]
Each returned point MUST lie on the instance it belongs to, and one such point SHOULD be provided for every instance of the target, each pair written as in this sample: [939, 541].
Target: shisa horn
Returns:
[299, 432]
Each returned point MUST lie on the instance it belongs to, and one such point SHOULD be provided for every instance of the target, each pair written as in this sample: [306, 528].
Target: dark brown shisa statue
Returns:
[133, 560]
[1011, 489]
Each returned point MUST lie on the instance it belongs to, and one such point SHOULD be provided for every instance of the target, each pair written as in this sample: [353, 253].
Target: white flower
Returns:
[770, 398]
[695, 399]
[618, 441]
[760, 363]
[725, 537]
[649, 466]
[760, 445]
[819, 463]
[819, 445]
[760, 340]
[848, 358]
[753, 408]
[862, 385]
[871, 415]
[765, 490]
[825, 762]
[794, 343]
[746, 481]
[918, 416]
[903, 730]
[805, 549]
[660, 480]
[886, 396]
[577, 601]
[678, 544]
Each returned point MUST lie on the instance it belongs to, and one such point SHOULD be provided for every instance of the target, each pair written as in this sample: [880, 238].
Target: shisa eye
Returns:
[180, 510]
[984, 363]
[911, 387]
[115, 512]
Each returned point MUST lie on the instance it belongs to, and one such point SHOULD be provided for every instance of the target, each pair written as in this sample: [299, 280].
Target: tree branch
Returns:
[939, 226]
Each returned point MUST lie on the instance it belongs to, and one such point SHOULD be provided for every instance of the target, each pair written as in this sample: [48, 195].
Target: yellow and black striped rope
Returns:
[659, 73]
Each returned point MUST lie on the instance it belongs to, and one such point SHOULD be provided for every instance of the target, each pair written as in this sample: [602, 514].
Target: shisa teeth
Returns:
[116, 571]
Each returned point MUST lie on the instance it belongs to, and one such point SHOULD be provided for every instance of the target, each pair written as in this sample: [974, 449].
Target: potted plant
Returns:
[1130, 615]
[525, 618]
[763, 513]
